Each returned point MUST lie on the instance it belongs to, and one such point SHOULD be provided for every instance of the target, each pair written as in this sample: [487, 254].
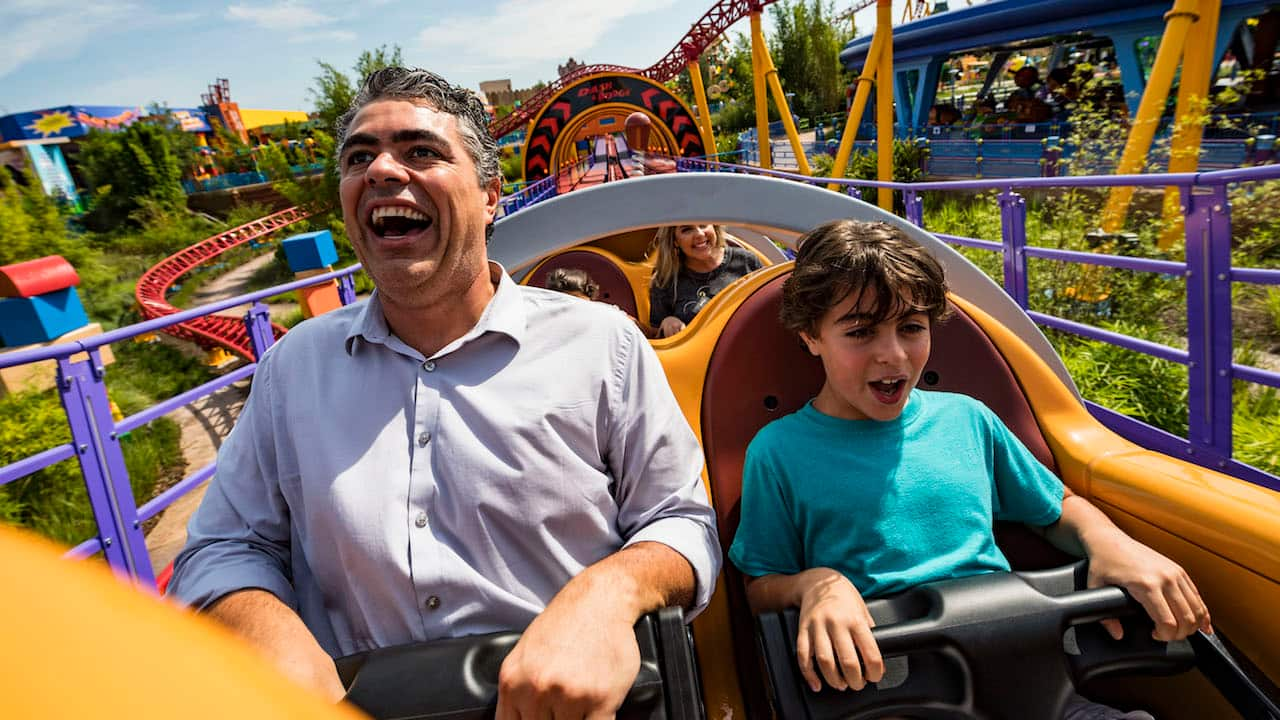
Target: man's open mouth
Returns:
[397, 221]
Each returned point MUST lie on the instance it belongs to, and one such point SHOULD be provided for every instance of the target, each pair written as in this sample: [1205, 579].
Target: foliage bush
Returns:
[130, 170]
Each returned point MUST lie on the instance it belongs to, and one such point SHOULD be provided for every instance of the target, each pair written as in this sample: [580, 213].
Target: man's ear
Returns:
[810, 342]
[493, 193]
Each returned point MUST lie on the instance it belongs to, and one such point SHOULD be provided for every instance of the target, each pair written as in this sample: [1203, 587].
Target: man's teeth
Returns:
[397, 211]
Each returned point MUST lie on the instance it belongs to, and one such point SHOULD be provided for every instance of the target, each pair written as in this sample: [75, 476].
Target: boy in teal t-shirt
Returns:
[875, 486]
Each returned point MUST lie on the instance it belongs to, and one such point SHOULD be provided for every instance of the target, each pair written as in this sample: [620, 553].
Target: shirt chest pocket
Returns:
[540, 462]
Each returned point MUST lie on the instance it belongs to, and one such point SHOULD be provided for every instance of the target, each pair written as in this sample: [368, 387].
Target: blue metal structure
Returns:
[921, 48]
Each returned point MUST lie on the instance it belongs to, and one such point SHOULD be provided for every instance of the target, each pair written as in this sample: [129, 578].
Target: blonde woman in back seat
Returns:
[694, 263]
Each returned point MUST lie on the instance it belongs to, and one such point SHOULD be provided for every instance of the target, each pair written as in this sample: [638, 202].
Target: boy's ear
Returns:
[809, 342]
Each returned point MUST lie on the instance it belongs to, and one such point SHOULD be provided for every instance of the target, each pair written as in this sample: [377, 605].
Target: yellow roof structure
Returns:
[259, 118]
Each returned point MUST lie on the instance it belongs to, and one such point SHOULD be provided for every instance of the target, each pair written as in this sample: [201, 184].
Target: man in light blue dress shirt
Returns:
[457, 454]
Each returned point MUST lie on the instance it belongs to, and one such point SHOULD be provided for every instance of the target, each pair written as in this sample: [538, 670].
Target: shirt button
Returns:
[429, 365]
[433, 602]
[423, 439]
[421, 520]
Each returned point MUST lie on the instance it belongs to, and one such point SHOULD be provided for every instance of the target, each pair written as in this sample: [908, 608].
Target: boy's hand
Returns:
[835, 629]
[1162, 587]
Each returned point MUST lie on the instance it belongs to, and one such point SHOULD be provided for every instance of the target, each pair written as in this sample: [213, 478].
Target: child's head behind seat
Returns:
[573, 282]
[863, 297]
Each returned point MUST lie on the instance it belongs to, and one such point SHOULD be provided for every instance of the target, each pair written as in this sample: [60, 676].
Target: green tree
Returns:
[805, 48]
[334, 90]
[33, 225]
[128, 169]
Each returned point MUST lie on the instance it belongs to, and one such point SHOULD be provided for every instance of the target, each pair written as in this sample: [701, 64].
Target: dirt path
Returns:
[207, 421]
[204, 424]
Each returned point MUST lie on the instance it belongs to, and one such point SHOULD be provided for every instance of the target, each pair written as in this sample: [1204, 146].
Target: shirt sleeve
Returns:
[239, 537]
[657, 466]
[767, 541]
[661, 305]
[1025, 490]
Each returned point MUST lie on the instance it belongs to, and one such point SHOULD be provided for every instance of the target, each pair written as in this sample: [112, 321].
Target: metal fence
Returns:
[1207, 272]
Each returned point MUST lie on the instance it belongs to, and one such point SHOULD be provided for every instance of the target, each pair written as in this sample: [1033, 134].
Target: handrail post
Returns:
[853, 191]
[1013, 235]
[106, 479]
[261, 334]
[914, 207]
[347, 289]
[1209, 332]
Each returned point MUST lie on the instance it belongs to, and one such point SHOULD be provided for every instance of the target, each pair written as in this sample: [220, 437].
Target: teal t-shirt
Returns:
[889, 504]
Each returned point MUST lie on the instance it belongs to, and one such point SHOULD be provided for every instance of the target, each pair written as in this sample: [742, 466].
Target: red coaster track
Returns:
[710, 26]
[211, 330]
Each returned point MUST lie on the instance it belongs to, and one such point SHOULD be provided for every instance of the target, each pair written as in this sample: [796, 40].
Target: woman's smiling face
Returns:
[697, 243]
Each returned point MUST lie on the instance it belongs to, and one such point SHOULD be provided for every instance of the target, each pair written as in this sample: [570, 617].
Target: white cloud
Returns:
[341, 36]
[531, 30]
[57, 31]
[285, 15]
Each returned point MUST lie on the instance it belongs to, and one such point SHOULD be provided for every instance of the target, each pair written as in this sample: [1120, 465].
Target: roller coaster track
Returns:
[704, 32]
[211, 330]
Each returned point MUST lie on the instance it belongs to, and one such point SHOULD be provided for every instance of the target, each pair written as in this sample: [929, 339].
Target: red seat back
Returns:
[614, 286]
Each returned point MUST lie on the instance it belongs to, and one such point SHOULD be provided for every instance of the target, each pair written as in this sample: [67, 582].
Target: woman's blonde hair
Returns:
[669, 256]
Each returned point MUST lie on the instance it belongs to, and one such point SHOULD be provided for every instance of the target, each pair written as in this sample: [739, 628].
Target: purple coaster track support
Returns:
[914, 207]
[258, 320]
[1209, 333]
[346, 289]
[1013, 236]
[93, 435]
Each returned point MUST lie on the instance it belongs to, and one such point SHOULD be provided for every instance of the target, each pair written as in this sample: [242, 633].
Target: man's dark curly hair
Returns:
[846, 256]
[424, 87]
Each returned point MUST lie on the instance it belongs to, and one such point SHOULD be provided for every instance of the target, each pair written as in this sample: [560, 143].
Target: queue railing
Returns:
[1207, 272]
[95, 435]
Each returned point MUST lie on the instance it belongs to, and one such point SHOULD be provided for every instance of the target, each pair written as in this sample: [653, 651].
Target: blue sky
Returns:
[126, 52]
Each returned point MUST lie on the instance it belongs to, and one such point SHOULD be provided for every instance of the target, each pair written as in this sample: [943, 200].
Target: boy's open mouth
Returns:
[396, 222]
[888, 391]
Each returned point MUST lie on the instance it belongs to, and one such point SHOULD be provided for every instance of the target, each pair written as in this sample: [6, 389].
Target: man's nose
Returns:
[384, 168]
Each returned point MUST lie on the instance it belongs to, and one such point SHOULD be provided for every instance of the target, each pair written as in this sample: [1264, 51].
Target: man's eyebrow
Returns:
[399, 136]
[357, 139]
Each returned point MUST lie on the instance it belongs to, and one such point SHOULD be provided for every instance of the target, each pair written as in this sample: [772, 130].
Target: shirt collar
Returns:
[503, 314]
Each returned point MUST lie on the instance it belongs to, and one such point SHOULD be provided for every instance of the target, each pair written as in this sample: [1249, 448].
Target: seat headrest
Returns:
[615, 289]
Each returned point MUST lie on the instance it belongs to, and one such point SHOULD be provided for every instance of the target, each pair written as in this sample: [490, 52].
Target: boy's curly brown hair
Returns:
[845, 256]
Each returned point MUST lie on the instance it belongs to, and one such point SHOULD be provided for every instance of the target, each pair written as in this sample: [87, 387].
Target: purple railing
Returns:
[1207, 271]
[1208, 358]
[95, 435]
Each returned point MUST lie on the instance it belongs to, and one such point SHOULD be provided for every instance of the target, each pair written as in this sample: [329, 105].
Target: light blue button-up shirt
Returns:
[390, 497]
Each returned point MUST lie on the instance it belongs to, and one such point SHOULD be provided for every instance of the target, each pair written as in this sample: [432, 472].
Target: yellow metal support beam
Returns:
[1193, 107]
[758, 89]
[884, 104]
[865, 79]
[1178, 22]
[704, 110]
[784, 109]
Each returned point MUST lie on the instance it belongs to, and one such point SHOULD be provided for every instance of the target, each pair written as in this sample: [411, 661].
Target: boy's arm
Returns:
[834, 629]
[1163, 588]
